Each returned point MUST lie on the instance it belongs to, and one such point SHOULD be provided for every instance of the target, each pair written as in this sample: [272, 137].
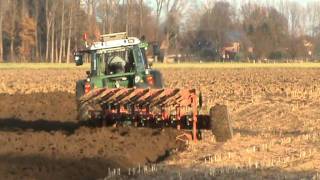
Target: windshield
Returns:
[117, 60]
[139, 59]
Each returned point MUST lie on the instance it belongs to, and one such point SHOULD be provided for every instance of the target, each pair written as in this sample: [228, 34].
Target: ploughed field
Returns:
[275, 113]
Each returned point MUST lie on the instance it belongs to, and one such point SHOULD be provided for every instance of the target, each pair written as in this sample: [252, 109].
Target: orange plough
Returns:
[151, 105]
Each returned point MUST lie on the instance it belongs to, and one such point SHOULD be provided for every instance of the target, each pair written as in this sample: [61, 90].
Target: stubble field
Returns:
[275, 113]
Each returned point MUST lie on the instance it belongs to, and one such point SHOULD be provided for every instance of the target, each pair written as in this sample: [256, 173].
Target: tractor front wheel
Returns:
[221, 123]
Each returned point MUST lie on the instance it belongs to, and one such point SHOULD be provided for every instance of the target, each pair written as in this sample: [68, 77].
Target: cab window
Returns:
[116, 61]
[139, 59]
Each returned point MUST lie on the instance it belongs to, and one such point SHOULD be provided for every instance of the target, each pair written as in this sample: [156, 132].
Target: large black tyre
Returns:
[158, 84]
[80, 89]
[221, 123]
[83, 112]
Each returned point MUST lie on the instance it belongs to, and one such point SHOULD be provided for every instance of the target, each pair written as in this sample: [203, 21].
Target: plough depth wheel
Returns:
[221, 123]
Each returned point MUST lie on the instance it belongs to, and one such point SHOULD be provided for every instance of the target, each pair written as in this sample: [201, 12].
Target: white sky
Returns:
[201, 3]
[152, 3]
[305, 1]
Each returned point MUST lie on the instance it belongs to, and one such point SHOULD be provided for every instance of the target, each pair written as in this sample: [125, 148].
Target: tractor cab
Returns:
[117, 61]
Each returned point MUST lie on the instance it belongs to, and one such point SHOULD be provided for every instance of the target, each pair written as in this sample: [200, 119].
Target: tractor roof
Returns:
[114, 40]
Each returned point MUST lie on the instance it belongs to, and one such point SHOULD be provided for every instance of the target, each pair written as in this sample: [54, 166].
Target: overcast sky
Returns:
[152, 3]
[304, 1]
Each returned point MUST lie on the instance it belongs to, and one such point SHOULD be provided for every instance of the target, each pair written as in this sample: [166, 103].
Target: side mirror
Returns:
[78, 59]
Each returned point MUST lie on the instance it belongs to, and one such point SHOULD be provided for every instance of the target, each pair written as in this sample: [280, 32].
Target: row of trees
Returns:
[49, 30]
[34, 30]
[282, 29]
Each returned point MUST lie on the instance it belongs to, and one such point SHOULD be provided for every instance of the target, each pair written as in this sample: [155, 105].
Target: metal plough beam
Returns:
[146, 99]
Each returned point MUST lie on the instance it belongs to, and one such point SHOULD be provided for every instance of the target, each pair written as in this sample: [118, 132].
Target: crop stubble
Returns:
[275, 114]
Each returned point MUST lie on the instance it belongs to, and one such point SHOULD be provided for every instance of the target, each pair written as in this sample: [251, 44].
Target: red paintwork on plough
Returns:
[160, 104]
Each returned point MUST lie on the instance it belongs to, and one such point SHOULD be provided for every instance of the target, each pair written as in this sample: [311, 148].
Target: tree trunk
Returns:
[64, 47]
[13, 28]
[12, 48]
[110, 29]
[1, 39]
[159, 9]
[36, 30]
[105, 18]
[127, 18]
[40, 51]
[48, 30]
[69, 35]
[52, 42]
[56, 50]
[47, 42]
[62, 33]
[140, 19]
[108, 24]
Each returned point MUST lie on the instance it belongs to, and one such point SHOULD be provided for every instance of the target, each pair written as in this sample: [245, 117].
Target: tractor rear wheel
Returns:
[83, 112]
[221, 123]
[158, 81]
[80, 89]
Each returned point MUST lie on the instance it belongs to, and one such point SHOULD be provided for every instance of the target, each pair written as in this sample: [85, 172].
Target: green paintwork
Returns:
[99, 78]
[144, 45]
[110, 80]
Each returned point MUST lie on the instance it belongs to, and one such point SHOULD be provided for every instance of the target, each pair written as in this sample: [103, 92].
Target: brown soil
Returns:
[275, 115]
[40, 139]
[40, 106]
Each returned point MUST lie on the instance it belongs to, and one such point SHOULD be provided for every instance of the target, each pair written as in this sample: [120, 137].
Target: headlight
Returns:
[137, 79]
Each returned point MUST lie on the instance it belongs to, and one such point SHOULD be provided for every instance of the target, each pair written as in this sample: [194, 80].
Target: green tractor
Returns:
[117, 62]
[121, 86]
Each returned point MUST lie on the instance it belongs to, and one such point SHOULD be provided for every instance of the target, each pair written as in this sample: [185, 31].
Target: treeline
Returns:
[261, 30]
[50, 30]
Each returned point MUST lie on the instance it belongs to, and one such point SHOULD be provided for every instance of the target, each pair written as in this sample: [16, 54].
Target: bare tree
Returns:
[140, 17]
[158, 12]
[294, 18]
[105, 6]
[36, 17]
[264, 24]
[52, 40]
[27, 37]
[313, 9]
[115, 5]
[174, 11]
[62, 39]
[127, 15]
[50, 9]
[12, 27]
[71, 9]
[3, 8]
[91, 6]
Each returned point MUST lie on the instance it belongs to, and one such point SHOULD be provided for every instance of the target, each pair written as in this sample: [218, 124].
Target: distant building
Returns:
[308, 45]
[230, 50]
[232, 47]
